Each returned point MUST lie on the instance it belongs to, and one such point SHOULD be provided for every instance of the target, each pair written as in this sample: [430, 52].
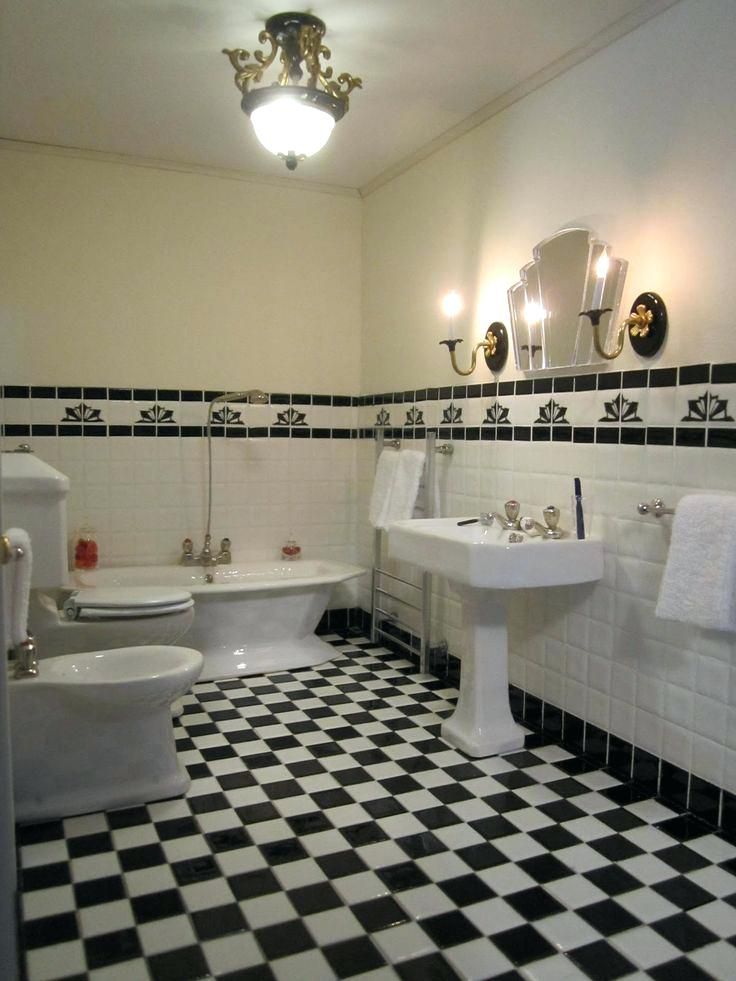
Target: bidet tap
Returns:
[224, 556]
[187, 552]
[25, 659]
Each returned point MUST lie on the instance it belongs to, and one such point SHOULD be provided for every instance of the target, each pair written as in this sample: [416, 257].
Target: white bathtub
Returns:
[254, 618]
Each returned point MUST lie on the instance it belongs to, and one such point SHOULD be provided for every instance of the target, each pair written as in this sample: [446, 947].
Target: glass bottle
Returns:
[85, 550]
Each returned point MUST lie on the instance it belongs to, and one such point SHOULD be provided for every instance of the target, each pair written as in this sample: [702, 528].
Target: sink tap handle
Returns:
[512, 509]
[551, 516]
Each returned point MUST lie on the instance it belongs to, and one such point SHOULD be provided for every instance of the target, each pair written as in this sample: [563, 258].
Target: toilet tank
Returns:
[34, 498]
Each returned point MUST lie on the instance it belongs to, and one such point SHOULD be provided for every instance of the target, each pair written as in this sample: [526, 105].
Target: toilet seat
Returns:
[125, 603]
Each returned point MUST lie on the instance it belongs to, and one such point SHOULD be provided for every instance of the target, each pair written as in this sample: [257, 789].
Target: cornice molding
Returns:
[97, 156]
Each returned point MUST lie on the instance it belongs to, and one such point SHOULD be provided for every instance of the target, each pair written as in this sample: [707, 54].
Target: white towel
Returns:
[20, 586]
[699, 582]
[406, 486]
[425, 497]
[383, 483]
[395, 487]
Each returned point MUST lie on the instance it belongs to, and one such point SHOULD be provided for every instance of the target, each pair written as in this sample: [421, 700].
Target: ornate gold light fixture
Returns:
[292, 121]
[647, 325]
[495, 346]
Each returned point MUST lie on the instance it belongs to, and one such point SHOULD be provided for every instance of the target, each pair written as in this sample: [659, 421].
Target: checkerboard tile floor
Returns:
[330, 833]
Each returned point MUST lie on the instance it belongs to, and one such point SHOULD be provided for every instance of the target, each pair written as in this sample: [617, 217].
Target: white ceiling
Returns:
[146, 78]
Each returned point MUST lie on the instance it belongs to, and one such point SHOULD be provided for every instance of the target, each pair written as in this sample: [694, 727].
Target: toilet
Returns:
[68, 620]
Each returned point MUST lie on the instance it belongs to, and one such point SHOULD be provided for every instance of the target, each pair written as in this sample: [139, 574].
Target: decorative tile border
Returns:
[116, 412]
[693, 405]
[648, 407]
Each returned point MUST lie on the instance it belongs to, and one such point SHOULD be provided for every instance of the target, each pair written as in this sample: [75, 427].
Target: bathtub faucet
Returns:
[206, 557]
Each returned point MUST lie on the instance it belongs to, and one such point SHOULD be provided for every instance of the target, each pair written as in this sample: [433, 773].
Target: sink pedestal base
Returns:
[482, 724]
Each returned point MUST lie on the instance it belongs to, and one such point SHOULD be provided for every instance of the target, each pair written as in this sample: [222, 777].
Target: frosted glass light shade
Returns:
[287, 125]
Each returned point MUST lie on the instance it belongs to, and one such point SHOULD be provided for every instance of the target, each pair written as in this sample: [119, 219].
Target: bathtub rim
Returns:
[327, 572]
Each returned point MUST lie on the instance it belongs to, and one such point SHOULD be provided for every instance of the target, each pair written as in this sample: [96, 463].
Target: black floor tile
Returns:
[601, 962]
[273, 844]
[522, 944]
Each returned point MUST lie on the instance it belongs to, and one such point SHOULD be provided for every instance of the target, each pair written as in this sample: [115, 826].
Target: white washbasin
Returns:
[483, 565]
[481, 555]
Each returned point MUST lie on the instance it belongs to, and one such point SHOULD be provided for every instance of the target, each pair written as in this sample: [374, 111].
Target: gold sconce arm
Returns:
[495, 349]
[646, 323]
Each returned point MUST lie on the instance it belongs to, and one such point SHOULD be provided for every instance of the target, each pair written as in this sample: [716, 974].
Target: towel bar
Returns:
[655, 507]
[446, 449]
[380, 587]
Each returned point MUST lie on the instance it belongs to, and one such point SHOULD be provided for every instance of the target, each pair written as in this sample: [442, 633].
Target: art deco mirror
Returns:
[571, 273]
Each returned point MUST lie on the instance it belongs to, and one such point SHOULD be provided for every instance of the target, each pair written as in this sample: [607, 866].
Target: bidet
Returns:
[93, 731]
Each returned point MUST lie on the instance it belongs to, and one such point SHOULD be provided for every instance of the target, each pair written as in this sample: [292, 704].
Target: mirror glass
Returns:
[571, 272]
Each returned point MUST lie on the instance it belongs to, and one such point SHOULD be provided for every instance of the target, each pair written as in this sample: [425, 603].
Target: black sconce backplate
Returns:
[497, 360]
[648, 346]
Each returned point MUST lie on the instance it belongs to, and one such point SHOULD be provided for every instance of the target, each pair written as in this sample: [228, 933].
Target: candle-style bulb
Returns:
[452, 304]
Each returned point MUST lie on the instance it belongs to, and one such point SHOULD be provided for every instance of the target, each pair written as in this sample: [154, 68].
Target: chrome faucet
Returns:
[206, 557]
[510, 522]
[549, 529]
[25, 659]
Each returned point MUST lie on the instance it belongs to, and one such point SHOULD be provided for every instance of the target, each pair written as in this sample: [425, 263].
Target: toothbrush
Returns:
[579, 517]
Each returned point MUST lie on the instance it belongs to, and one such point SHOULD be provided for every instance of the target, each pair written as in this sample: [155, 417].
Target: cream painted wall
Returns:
[127, 276]
[638, 142]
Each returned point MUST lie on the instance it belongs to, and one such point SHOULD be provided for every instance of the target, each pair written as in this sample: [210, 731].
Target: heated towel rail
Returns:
[386, 622]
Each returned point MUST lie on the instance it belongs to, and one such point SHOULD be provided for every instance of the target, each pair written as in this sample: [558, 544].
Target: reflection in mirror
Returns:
[571, 273]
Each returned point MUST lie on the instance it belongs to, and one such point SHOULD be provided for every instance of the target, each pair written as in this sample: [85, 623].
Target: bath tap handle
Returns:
[187, 552]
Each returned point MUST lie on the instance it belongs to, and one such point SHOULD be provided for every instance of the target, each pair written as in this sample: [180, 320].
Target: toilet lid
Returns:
[131, 596]
[125, 602]
[131, 612]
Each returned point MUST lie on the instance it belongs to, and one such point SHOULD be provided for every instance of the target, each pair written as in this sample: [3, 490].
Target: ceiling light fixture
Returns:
[292, 121]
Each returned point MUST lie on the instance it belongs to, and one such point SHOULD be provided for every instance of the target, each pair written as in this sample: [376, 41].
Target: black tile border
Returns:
[710, 434]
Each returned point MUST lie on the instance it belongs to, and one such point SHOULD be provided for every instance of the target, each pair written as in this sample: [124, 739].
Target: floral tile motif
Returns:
[228, 416]
[158, 414]
[383, 418]
[82, 413]
[290, 417]
[453, 414]
[552, 413]
[621, 409]
[414, 417]
[497, 415]
[707, 408]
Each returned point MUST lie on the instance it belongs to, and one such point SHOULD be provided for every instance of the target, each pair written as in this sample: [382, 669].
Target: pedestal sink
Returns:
[481, 564]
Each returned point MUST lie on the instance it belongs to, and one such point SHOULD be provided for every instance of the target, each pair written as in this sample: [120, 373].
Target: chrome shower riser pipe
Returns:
[254, 396]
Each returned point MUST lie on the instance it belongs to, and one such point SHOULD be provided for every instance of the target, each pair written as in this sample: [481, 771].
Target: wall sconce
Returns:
[495, 347]
[647, 327]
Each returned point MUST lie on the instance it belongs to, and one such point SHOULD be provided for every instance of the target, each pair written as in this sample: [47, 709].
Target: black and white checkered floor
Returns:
[330, 833]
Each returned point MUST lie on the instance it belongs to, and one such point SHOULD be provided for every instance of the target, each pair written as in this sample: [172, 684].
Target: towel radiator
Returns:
[387, 623]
